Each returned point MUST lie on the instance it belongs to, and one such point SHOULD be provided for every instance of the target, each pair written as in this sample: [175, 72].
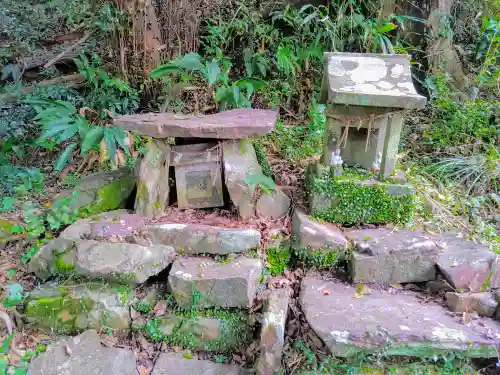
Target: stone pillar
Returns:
[153, 184]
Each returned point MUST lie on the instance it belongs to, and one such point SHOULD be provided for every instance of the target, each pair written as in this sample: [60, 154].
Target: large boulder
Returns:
[99, 192]
[76, 308]
[119, 262]
[240, 162]
[122, 262]
[468, 265]
[389, 256]
[170, 363]
[350, 323]
[197, 239]
[203, 282]
[81, 355]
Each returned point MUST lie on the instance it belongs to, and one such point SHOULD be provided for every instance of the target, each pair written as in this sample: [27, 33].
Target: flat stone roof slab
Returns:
[234, 124]
[368, 79]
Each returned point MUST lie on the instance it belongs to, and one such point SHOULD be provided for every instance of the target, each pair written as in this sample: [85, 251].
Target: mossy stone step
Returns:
[71, 309]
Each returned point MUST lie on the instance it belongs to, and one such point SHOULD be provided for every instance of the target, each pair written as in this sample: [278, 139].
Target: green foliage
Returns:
[301, 143]
[262, 159]
[260, 179]
[278, 260]
[488, 51]
[319, 258]
[456, 123]
[13, 295]
[106, 94]
[61, 122]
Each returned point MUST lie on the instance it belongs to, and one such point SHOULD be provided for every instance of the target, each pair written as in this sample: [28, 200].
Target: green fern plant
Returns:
[62, 123]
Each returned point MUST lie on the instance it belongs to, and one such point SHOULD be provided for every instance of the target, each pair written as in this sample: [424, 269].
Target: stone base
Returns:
[355, 199]
[385, 256]
[392, 324]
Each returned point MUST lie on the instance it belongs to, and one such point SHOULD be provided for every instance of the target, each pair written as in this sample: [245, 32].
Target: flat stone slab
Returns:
[234, 124]
[466, 264]
[197, 239]
[230, 284]
[121, 262]
[273, 205]
[177, 364]
[313, 235]
[395, 324]
[368, 79]
[105, 225]
[84, 355]
[385, 256]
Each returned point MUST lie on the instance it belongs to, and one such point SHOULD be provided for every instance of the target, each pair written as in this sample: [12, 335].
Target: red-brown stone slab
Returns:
[468, 265]
[398, 324]
[234, 124]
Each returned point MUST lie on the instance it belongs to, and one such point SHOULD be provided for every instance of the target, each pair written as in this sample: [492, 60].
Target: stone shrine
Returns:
[207, 153]
[365, 96]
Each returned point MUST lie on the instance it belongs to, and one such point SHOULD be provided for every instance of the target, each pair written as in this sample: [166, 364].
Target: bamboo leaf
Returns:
[92, 138]
[63, 158]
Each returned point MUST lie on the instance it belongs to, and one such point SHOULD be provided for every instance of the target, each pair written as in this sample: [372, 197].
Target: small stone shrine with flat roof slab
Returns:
[209, 154]
[366, 96]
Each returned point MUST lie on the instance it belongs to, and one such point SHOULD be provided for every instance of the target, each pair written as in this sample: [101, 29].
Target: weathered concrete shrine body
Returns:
[366, 95]
[205, 151]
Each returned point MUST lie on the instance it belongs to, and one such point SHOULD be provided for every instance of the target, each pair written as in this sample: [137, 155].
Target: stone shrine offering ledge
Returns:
[207, 153]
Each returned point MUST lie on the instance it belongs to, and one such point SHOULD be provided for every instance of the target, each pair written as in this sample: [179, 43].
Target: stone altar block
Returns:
[366, 95]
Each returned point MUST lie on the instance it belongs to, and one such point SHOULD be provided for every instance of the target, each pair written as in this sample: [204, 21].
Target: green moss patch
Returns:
[215, 331]
[355, 199]
[111, 196]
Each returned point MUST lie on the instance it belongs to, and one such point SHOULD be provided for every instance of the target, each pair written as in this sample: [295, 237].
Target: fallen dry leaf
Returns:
[326, 292]
[362, 290]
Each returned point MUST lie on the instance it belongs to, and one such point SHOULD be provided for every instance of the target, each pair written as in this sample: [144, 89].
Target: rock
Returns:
[272, 336]
[107, 224]
[196, 239]
[153, 187]
[240, 161]
[439, 286]
[467, 265]
[99, 192]
[482, 303]
[84, 354]
[273, 205]
[44, 263]
[391, 324]
[77, 308]
[170, 363]
[234, 124]
[121, 262]
[220, 332]
[231, 284]
[313, 235]
[391, 257]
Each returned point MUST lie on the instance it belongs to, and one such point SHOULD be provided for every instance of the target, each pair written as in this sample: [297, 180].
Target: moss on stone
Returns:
[64, 263]
[354, 199]
[111, 196]
[58, 312]
[262, 159]
[212, 330]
